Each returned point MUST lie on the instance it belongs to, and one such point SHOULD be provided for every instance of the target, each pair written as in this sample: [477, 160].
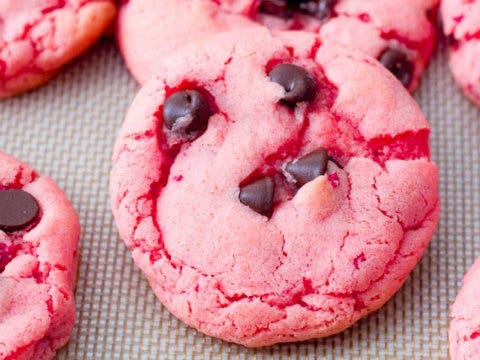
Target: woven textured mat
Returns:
[67, 129]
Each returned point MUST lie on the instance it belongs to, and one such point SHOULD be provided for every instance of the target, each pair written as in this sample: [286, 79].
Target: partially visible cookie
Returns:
[464, 334]
[39, 234]
[149, 30]
[461, 25]
[39, 37]
[274, 188]
[398, 33]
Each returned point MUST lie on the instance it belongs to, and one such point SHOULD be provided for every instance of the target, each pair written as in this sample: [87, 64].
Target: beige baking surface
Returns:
[67, 129]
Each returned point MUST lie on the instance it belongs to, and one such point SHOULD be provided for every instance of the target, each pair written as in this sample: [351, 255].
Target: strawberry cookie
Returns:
[274, 189]
[461, 24]
[400, 34]
[39, 234]
[464, 332]
[37, 37]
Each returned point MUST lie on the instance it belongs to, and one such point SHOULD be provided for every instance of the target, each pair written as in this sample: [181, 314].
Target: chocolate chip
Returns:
[397, 63]
[297, 82]
[18, 209]
[258, 196]
[320, 9]
[186, 112]
[309, 167]
[274, 7]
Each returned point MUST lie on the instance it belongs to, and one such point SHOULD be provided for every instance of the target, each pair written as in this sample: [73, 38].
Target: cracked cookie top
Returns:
[400, 34]
[39, 234]
[38, 37]
[461, 24]
[273, 188]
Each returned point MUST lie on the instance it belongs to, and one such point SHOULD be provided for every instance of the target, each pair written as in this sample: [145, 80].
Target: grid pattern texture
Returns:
[67, 129]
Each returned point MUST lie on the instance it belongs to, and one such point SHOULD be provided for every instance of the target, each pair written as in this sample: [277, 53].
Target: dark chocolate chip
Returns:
[186, 112]
[18, 209]
[258, 196]
[297, 82]
[398, 64]
[320, 9]
[274, 7]
[309, 167]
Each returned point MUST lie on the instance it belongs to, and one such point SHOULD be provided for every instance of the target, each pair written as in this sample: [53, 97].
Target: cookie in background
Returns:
[37, 38]
[464, 334]
[400, 34]
[461, 25]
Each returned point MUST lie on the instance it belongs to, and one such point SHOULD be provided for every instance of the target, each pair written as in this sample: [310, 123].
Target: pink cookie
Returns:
[399, 33]
[37, 37]
[465, 325]
[39, 234]
[268, 202]
[461, 23]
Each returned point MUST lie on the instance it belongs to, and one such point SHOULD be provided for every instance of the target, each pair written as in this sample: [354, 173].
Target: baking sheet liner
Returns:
[67, 129]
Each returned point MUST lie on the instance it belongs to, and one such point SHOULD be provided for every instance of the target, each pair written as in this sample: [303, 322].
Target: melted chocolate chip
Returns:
[309, 167]
[186, 112]
[18, 209]
[297, 82]
[398, 64]
[258, 196]
[320, 9]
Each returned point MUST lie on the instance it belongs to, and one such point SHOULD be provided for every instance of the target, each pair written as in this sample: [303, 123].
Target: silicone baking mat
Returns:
[66, 130]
